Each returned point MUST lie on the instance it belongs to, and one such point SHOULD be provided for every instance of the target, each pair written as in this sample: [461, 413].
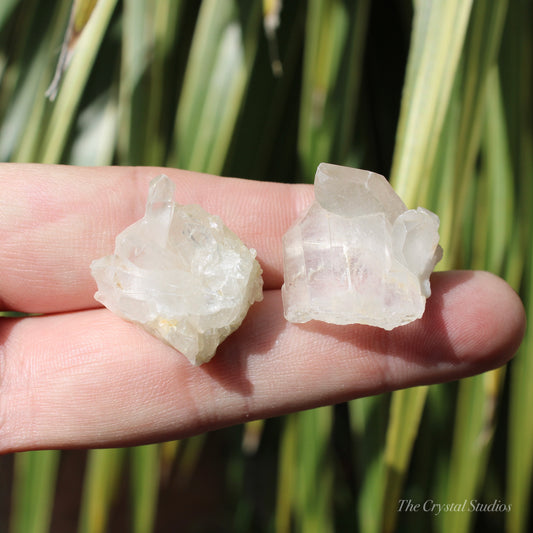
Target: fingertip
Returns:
[506, 322]
[491, 324]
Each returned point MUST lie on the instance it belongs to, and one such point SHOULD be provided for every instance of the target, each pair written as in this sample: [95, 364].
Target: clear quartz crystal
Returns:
[358, 255]
[181, 274]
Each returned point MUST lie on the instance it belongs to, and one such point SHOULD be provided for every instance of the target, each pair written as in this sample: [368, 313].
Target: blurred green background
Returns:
[435, 94]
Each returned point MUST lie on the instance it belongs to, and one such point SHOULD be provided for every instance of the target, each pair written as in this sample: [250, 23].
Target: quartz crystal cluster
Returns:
[358, 255]
[181, 274]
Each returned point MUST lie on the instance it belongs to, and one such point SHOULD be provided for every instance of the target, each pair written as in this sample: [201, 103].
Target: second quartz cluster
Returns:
[358, 255]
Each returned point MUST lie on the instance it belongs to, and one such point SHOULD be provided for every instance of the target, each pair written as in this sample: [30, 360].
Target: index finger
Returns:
[54, 220]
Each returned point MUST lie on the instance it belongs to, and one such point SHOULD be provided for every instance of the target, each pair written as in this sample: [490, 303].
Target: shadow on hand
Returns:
[255, 337]
[425, 341]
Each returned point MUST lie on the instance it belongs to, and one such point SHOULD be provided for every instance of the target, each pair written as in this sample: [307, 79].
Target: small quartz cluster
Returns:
[358, 255]
[181, 274]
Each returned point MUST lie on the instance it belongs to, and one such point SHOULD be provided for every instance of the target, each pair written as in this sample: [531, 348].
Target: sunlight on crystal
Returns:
[181, 274]
[358, 255]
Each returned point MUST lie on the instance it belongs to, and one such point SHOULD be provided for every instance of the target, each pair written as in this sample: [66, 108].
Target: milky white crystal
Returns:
[358, 255]
[181, 274]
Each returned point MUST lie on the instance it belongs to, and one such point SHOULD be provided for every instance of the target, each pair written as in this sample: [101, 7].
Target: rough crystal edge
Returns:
[342, 177]
[162, 191]
[398, 206]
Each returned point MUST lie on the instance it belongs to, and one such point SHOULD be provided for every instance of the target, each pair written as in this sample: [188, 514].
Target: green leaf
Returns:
[436, 43]
[473, 434]
[145, 487]
[517, 84]
[101, 484]
[220, 62]
[286, 486]
[520, 435]
[314, 484]
[406, 411]
[482, 47]
[368, 422]
[334, 46]
[149, 35]
[30, 68]
[33, 491]
[73, 84]
[6, 8]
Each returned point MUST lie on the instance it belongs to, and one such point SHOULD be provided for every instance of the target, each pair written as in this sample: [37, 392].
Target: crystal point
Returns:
[358, 255]
[181, 274]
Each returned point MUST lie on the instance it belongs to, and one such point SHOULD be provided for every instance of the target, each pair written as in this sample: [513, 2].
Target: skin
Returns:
[81, 377]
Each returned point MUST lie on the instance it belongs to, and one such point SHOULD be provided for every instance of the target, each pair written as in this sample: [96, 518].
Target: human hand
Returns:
[82, 377]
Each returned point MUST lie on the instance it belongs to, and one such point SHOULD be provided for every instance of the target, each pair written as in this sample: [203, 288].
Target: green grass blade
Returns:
[263, 152]
[96, 126]
[500, 178]
[220, 62]
[368, 422]
[520, 435]
[334, 46]
[442, 197]
[137, 44]
[517, 80]
[82, 13]
[473, 434]
[482, 47]
[406, 411]
[74, 82]
[315, 480]
[22, 89]
[286, 487]
[101, 483]
[168, 451]
[6, 8]
[145, 487]
[149, 34]
[436, 44]
[33, 491]
[20, 134]
[191, 452]
[304, 474]
[479, 396]
[79, 16]
[166, 31]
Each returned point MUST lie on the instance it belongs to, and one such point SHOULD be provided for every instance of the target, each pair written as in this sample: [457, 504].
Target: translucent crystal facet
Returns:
[358, 255]
[181, 274]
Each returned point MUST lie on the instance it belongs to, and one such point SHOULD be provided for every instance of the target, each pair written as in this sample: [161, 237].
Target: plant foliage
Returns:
[435, 93]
